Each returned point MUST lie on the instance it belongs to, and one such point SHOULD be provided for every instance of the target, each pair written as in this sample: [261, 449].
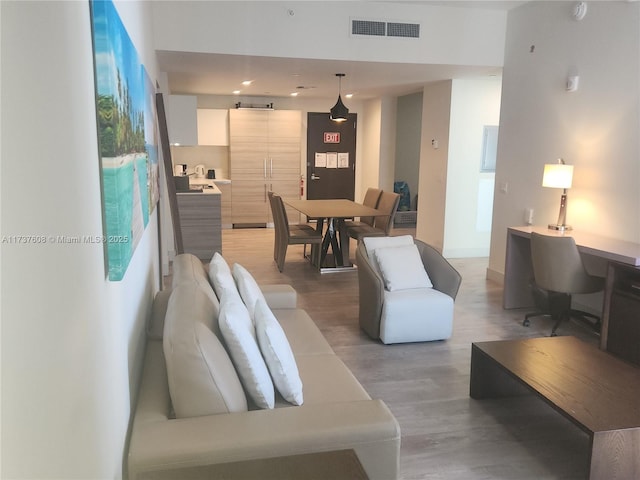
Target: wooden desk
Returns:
[334, 211]
[518, 270]
[592, 388]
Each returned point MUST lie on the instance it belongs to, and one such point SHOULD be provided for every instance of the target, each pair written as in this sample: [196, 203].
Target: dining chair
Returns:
[371, 199]
[558, 273]
[286, 234]
[381, 227]
[277, 239]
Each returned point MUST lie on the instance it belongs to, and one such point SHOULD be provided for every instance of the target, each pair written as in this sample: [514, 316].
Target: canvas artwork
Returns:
[127, 137]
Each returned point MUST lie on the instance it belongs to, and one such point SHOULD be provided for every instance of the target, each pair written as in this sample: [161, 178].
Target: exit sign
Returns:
[331, 137]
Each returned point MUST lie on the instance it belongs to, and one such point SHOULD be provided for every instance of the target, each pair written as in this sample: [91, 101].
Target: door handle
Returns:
[314, 177]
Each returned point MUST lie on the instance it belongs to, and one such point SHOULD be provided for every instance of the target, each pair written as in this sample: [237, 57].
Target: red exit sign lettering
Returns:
[331, 137]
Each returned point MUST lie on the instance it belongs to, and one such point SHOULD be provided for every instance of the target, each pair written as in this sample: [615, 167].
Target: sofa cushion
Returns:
[280, 296]
[277, 354]
[301, 331]
[401, 268]
[201, 377]
[373, 243]
[187, 268]
[327, 379]
[220, 276]
[240, 336]
[248, 288]
[416, 315]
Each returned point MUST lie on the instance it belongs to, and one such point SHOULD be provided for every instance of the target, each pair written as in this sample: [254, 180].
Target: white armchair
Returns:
[397, 305]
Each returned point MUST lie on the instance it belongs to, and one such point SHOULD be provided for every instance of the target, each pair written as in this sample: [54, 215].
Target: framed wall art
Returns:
[127, 137]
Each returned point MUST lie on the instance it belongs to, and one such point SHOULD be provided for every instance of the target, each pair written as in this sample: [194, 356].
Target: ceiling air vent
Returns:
[411, 30]
[378, 28]
[368, 27]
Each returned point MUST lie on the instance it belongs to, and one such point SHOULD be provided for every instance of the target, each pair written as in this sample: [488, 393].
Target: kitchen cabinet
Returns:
[182, 120]
[213, 127]
[264, 148]
[200, 222]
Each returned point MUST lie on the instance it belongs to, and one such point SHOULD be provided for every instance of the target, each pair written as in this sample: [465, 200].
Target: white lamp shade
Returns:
[557, 175]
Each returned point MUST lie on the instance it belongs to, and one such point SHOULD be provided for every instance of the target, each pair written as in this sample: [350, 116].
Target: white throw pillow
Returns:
[277, 353]
[220, 276]
[373, 243]
[401, 268]
[240, 336]
[248, 288]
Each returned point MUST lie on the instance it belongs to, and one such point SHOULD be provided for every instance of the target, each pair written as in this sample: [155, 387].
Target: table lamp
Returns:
[559, 175]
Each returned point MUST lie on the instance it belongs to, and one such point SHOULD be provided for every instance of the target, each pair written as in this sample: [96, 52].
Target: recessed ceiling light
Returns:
[348, 95]
[294, 94]
[246, 83]
[236, 92]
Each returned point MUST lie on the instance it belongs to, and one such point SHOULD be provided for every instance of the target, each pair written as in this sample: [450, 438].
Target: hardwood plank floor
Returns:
[445, 433]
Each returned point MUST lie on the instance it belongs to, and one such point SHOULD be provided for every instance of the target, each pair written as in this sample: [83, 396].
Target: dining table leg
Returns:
[331, 239]
[317, 256]
[343, 238]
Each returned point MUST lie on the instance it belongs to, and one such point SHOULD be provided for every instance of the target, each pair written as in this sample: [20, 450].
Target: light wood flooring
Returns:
[445, 433]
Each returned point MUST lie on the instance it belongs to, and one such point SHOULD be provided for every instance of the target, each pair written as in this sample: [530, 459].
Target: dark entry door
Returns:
[331, 157]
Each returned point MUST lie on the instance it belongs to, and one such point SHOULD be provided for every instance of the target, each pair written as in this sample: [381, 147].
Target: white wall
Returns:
[474, 104]
[595, 129]
[436, 114]
[321, 30]
[71, 340]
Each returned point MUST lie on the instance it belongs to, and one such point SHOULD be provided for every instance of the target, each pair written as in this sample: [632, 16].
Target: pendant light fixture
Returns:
[339, 112]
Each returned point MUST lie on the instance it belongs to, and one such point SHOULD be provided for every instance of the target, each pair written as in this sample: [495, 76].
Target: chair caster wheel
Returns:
[526, 323]
[553, 334]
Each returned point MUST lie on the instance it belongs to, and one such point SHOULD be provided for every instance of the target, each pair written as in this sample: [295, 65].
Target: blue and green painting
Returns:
[127, 137]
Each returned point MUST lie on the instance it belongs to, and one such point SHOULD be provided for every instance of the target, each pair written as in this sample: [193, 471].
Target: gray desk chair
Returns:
[558, 273]
[381, 227]
[286, 234]
[371, 199]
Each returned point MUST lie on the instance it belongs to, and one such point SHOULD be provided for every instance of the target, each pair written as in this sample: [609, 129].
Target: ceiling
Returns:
[219, 74]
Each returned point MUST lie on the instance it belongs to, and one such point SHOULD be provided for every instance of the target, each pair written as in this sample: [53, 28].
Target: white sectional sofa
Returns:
[193, 418]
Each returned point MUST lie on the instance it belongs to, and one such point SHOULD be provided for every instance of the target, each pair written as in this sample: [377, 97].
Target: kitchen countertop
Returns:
[208, 181]
[207, 189]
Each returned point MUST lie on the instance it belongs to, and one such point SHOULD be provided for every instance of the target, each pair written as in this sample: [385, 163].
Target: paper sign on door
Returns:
[343, 160]
[332, 159]
[321, 159]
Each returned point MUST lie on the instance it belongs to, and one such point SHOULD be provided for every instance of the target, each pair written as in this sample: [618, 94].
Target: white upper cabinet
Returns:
[213, 126]
[182, 119]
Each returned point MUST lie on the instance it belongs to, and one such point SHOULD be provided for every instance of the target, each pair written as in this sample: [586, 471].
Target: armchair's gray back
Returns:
[442, 274]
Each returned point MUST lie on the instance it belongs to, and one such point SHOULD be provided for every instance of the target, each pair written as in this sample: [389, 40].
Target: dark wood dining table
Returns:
[334, 212]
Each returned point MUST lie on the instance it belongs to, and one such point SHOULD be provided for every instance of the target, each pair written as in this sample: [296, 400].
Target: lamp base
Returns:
[561, 228]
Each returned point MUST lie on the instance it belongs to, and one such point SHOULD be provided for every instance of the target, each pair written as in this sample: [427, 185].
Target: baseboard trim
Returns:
[495, 276]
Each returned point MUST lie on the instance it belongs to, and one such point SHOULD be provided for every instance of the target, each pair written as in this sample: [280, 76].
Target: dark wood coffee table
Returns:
[595, 390]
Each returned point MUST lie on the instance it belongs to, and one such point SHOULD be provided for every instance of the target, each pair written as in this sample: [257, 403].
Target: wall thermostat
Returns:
[572, 83]
[579, 10]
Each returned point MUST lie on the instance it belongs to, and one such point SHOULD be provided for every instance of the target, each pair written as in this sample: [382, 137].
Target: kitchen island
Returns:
[200, 221]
